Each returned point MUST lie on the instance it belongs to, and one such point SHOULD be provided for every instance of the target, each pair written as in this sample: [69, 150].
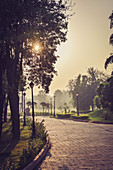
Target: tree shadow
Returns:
[6, 147]
[7, 144]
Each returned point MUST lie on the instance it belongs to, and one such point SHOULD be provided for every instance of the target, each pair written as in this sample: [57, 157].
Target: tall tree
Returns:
[85, 86]
[58, 98]
[22, 23]
[105, 93]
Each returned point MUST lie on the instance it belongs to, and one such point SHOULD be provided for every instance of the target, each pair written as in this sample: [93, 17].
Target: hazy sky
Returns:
[87, 42]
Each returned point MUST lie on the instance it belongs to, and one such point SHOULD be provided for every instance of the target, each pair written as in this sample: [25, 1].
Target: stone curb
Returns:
[40, 156]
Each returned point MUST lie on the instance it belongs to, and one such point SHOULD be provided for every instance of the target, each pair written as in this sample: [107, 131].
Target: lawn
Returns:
[100, 116]
[95, 116]
[12, 152]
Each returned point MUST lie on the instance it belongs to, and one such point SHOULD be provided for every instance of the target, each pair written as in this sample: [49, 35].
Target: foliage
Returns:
[85, 86]
[44, 22]
[105, 93]
[44, 105]
[66, 108]
[31, 147]
[100, 116]
[42, 114]
[23, 24]
[63, 115]
[29, 103]
[34, 146]
[81, 117]
[62, 97]
[97, 102]
[109, 60]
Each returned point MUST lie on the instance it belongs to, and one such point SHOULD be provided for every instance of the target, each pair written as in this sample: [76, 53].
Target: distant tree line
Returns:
[84, 86]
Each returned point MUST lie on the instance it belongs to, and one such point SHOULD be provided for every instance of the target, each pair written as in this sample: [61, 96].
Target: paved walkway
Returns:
[78, 145]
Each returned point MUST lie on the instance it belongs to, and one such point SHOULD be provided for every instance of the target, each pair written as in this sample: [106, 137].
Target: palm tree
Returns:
[109, 60]
[43, 104]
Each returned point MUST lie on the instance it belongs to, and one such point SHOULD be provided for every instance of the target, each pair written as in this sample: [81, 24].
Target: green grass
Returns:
[100, 116]
[15, 149]
[96, 116]
[63, 115]
[80, 117]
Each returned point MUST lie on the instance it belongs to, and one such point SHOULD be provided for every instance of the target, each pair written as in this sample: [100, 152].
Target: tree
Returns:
[21, 24]
[80, 88]
[85, 86]
[97, 102]
[95, 77]
[66, 107]
[58, 98]
[48, 106]
[105, 93]
[109, 60]
[43, 104]
[35, 104]
[29, 104]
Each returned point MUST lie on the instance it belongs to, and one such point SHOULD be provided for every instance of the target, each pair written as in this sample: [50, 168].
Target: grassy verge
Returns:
[101, 116]
[17, 154]
[98, 116]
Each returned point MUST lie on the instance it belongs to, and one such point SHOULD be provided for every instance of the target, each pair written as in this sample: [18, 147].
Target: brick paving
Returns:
[78, 145]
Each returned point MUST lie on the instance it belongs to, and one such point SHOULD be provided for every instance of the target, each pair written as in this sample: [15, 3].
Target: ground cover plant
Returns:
[103, 116]
[63, 115]
[16, 154]
[80, 117]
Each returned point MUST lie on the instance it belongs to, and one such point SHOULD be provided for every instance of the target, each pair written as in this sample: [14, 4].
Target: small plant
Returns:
[29, 153]
[63, 115]
[29, 149]
[80, 117]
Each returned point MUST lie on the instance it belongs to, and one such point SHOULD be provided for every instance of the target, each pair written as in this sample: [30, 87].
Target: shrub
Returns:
[42, 114]
[33, 147]
[73, 111]
[81, 117]
[63, 115]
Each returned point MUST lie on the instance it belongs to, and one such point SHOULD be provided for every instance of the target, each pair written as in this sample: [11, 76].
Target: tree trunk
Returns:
[13, 77]
[1, 112]
[1, 98]
[92, 107]
[14, 105]
[5, 109]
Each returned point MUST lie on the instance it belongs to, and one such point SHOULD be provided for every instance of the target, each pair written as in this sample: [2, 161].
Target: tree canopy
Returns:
[24, 23]
[109, 60]
[85, 86]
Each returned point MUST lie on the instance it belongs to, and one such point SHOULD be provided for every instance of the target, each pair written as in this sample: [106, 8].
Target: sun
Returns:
[36, 47]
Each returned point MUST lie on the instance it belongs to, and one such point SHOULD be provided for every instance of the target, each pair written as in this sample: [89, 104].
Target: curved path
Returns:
[78, 145]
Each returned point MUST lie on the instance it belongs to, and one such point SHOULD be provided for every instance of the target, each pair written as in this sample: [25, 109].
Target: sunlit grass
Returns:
[14, 149]
[95, 116]
[99, 116]
[10, 147]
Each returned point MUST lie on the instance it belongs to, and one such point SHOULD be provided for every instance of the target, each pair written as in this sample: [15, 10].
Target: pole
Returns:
[33, 113]
[54, 106]
[51, 106]
[22, 100]
[24, 110]
[77, 105]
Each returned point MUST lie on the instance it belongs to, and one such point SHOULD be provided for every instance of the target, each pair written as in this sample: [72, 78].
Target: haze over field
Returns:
[87, 42]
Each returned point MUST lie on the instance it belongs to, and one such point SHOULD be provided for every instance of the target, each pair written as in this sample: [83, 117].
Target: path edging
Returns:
[40, 156]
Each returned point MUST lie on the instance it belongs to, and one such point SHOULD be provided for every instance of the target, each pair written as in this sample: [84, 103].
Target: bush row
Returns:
[72, 116]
